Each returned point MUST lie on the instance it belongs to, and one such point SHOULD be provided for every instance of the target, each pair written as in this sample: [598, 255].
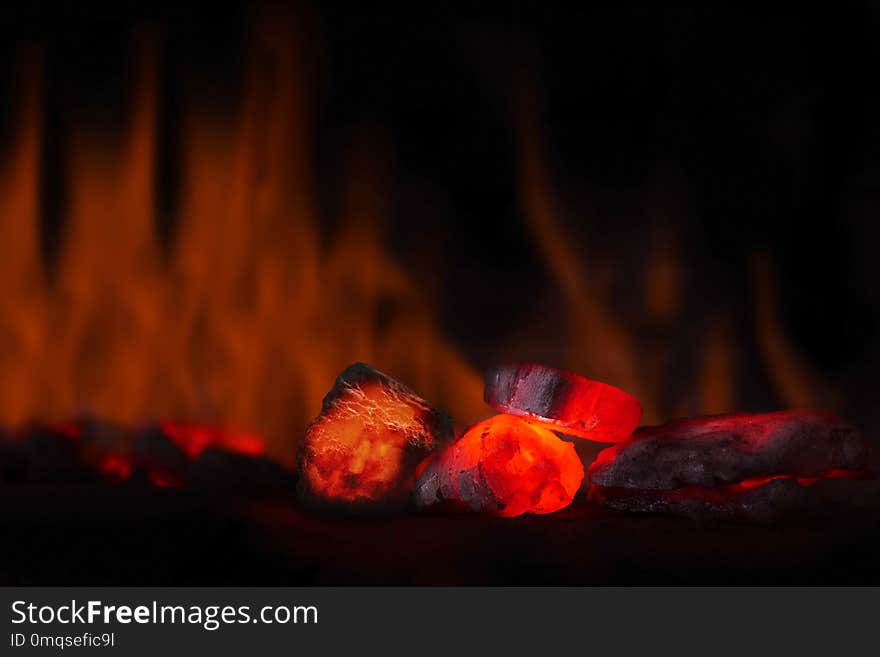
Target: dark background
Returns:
[741, 130]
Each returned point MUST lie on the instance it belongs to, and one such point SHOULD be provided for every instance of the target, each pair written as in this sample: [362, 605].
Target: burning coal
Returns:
[514, 463]
[363, 449]
[504, 466]
[377, 446]
[563, 401]
[245, 312]
[731, 465]
[242, 314]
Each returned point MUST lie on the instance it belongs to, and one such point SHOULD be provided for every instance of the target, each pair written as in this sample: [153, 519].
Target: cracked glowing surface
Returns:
[359, 449]
[563, 401]
[507, 467]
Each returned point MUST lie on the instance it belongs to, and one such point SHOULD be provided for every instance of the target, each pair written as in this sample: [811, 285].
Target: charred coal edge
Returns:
[430, 472]
[437, 421]
[436, 503]
[503, 379]
[751, 419]
[443, 503]
[824, 414]
[436, 469]
[554, 396]
[839, 433]
[495, 504]
[15, 461]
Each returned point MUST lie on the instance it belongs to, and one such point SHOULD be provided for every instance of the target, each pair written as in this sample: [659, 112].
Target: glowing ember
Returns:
[506, 467]
[164, 454]
[723, 449]
[747, 466]
[365, 446]
[563, 401]
[116, 467]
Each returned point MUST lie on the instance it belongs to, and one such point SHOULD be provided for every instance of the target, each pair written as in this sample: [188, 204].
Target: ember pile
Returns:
[164, 454]
[377, 447]
[376, 442]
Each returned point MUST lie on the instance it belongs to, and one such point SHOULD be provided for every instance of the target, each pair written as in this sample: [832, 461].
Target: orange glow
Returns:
[635, 349]
[247, 312]
[194, 439]
[507, 467]
[792, 375]
[240, 317]
[368, 442]
[563, 401]
[598, 342]
[725, 491]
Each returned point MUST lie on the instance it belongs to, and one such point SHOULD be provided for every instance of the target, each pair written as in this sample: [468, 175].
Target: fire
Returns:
[244, 316]
[636, 351]
[240, 317]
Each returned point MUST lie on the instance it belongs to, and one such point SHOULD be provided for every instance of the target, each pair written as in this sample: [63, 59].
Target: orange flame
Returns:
[245, 318]
[249, 316]
[606, 346]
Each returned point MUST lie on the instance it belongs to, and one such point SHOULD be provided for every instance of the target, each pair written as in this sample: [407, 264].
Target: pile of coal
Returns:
[47, 455]
[515, 463]
[361, 453]
[756, 467]
[91, 451]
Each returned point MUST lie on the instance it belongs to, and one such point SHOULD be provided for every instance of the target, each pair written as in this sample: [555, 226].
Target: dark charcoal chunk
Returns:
[710, 451]
[52, 457]
[160, 457]
[13, 461]
[224, 471]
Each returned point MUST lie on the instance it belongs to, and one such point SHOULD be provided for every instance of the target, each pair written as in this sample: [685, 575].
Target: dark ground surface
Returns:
[129, 535]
